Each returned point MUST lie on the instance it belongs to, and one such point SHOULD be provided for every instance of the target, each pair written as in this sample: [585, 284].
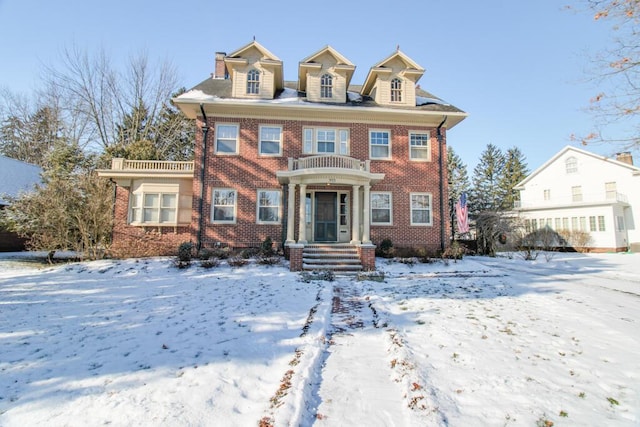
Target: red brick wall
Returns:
[248, 172]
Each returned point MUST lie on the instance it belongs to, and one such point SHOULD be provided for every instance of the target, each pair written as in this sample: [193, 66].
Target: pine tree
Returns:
[487, 194]
[515, 170]
[458, 177]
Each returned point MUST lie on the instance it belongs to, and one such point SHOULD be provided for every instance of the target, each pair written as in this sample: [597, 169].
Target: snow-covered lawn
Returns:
[480, 342]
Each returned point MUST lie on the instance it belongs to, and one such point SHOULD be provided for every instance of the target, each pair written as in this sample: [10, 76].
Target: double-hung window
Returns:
[270, 141]
[154, 208]
[380, 147]
[396, 90]
[223, 209]
[226, 139]
[419, 146]
[421, 209]
[253, 82]
[571, 165]
[381, 213]
[576, 193]
[268, 206]
[325, 141]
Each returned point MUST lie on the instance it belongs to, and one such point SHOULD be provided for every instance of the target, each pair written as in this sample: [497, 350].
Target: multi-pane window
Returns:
[268, 206]
[396, 90]
[325, 140]
[558, 224]
[576, 193]
[583, 223]
[224, 205]
[574, 223]
[419, 146]
[611, 191]
[420, 209]
[326, 86]
[379, 141]
[253, 82]
[592, 223]
[154, 208]
[381, 208]
[601, 223]
[571, 165]
[547, 194]
[270, 140]
[226, 139]
[565, 223]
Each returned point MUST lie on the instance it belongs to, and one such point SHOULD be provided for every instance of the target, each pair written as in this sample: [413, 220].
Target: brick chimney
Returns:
[220, 71]
[625, 157]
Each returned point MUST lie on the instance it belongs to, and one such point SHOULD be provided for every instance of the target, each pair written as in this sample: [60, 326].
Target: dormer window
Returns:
[396, 90]
[326, 86]
[253, 82]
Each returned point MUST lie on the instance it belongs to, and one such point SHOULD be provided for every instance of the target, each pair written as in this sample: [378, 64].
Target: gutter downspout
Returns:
[203, 161]
[442, 166]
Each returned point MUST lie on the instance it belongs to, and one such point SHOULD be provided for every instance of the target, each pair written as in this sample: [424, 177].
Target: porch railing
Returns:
[328, 161]
[150, 165]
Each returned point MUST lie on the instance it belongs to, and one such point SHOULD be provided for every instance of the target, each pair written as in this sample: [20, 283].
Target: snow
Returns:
[482, 341]
[421, 100]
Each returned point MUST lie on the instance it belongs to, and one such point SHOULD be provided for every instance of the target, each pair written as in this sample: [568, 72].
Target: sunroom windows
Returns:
[326, 141]
[153, 208]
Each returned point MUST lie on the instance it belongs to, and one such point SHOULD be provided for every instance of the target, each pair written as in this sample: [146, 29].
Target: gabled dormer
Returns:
[325, 76]
[255, 72]
[393, 81]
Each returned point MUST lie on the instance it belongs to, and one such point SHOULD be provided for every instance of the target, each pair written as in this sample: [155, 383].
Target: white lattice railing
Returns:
[151, 165]
[328, 161]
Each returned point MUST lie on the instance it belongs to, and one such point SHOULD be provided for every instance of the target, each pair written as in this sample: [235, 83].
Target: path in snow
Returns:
[357, 367]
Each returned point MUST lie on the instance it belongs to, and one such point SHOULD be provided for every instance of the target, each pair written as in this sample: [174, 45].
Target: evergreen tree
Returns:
[487, 194]
[515, 170]
[458, 177]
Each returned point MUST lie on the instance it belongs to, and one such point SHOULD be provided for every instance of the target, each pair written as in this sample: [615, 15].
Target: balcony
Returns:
[329, 169]
[328, 161]
[131, 169]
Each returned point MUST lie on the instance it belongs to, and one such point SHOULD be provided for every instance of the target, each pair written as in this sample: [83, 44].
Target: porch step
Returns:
[338, 257]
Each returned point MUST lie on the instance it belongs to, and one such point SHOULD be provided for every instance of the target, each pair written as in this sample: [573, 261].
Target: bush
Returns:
[185, 254]
[237, 261]
[385, 249]
[209, 263]
[268, 259]
[455, 251]
[266, 248]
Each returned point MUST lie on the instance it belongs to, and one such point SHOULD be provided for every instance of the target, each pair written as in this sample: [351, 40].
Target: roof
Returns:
[16, 177]
[634, 169]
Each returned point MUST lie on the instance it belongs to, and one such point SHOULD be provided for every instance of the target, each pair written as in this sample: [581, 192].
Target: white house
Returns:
[580, 191]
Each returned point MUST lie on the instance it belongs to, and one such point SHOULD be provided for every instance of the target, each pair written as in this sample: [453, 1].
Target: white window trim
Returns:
[215, 143]
[253, 83]
[258, 221]
[260, 153]
[337, 144]
[428, 147]
[388, 132]
[324, 88]
[421, 224]
[396, 91]
[390, 209]
[235, 206]
[141, 208]
[571, 165]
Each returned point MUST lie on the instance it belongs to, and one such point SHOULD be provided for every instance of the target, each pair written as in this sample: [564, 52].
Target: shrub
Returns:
[185, 254]
[374, 276]
[385, 249]
[455, 251]
[209, 263]
[237, 261]
[266, 248]
[268, 260]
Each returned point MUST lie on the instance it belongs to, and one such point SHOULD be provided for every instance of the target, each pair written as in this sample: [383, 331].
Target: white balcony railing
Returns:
[150, 165]
[328, 161]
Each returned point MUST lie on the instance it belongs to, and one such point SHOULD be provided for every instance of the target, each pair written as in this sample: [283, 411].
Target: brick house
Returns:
[313, 162]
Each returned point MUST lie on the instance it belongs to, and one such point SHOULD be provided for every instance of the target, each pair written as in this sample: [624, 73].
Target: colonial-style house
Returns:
[318, 161]
[16, 177]
[577, 190]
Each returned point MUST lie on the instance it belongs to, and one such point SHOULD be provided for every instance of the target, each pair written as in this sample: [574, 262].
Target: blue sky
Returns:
[519, 68]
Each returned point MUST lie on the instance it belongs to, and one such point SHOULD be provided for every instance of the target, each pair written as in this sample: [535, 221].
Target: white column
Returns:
[355, 222]
[365, 215]
[291, 207]
[302, 231]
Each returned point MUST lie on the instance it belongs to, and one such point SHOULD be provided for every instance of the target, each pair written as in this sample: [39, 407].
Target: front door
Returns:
[326, 223]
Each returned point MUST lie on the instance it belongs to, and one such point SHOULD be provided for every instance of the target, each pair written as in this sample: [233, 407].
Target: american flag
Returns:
[462, 214]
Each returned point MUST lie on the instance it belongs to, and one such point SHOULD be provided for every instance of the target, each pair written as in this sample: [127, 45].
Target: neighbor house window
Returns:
[565, 223]
[601, 223]
[571, 165]
[379, 144]
[420, 209]
[396, 90]
[576, 193]
[224, 206]
[270, 140]
[592, 223]
[620, 222]
[583, 223]
[547, 194]
[268, 206]
[419, 146]
[325, 141]
[611, 191]
[558, 224]
[574, 223]
[154, 208]
[381, 213]
[226, 139]
[253, 82]
[326, 86]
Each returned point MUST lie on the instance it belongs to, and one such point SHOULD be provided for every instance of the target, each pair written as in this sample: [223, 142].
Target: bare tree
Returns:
[617, 69]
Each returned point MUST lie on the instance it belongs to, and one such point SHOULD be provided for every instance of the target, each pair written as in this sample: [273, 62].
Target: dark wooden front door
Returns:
[326, 218]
